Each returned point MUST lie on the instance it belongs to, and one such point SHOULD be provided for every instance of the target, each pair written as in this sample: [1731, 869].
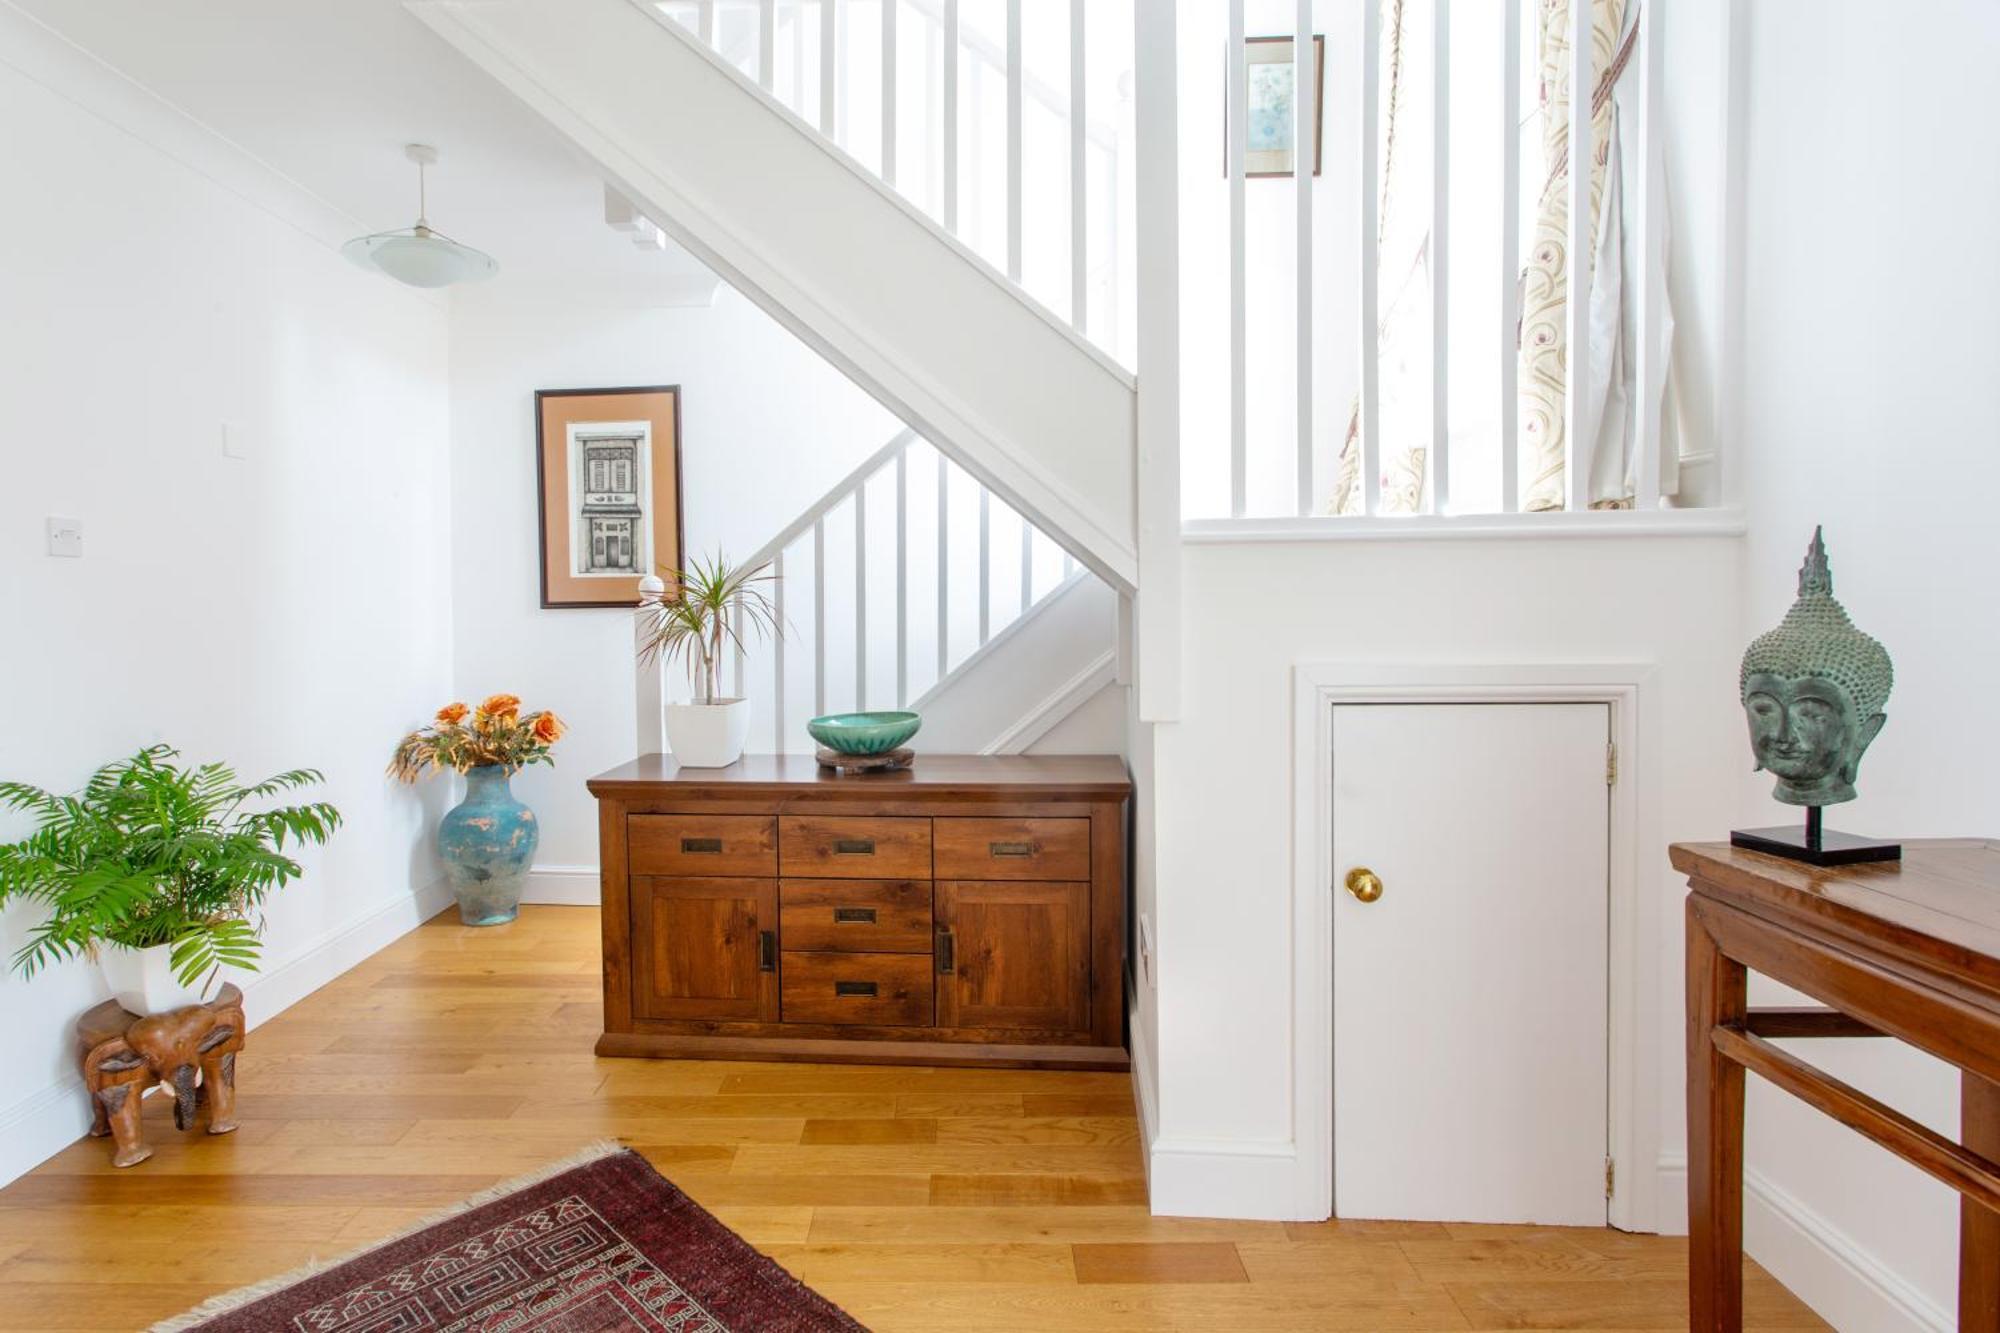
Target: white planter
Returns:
[142, 981]
[708, 735]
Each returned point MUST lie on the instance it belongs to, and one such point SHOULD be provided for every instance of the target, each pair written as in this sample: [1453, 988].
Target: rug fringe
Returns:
[256, 1291]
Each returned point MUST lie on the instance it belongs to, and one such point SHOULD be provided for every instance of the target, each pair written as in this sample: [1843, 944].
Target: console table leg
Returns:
[1716, 995]
[1978, 1227]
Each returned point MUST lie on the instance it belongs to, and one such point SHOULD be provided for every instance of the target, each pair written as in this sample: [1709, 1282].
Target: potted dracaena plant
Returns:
[157, 871]
[488, 840]
[707, 610]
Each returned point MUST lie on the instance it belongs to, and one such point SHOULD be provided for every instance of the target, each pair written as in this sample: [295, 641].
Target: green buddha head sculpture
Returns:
[1813, 691]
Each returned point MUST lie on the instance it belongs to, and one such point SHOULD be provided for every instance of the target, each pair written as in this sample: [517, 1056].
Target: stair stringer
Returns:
[943, 340]
[1030, 677]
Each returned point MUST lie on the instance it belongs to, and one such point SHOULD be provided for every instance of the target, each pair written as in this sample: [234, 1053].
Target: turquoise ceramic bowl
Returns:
[864, 733]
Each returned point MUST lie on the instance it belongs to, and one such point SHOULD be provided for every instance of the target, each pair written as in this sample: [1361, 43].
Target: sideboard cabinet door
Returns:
[1013, 955]
[705, 948]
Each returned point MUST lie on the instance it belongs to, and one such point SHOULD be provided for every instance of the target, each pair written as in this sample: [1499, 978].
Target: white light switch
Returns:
[235, 441]
[66, 537]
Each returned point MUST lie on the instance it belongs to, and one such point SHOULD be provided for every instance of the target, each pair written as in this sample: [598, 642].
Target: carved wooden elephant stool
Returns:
[124, 1055]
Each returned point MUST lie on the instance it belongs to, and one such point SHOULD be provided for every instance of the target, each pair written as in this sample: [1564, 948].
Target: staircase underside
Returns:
[1004, 388]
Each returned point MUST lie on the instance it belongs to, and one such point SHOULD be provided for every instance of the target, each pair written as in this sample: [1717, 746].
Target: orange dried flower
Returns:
[452, 714]
[548, 728]
[500, 707]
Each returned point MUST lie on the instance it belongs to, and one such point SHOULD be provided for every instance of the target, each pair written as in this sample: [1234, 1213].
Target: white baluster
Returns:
[778, 653]
[1510, 258]
[902, 578]
[1239, 99]
[819, 616]
[649, 684]
[1576, 411]
[1649, 364]
[861, 598]
[1079, 217]
[767, 44]
[889, 90]
[1305, 140]
[950, 131]
[1027, 565]
[1013, 140]
[828, 48]
[1369, 197]
[1440, 461]
[943, 565]
[985, 564]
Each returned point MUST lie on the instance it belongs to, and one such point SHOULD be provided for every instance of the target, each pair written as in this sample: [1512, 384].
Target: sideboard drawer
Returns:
[702, 844]
[1045, 849]
[851, 847]
[882, 989]
[855, 915]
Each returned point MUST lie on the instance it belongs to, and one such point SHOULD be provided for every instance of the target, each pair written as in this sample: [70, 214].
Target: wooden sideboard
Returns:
[968, 910]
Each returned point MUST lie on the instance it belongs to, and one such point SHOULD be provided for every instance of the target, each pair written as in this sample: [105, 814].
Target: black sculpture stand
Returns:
[1814, 845]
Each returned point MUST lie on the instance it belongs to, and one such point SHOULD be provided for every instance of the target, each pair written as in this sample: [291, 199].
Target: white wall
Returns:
[1224, 824]
[288, 609]
[1871, 299]
[767, 428]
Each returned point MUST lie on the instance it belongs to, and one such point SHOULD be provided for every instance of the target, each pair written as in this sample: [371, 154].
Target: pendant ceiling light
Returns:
[418, 255]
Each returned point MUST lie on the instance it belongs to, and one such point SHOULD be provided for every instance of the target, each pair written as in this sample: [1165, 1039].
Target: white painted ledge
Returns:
[1591, 523]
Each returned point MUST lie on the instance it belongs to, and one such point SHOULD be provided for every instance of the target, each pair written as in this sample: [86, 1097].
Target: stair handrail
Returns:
[826, 504]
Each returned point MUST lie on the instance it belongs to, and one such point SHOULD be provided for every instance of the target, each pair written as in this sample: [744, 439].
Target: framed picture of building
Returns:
[608, 469]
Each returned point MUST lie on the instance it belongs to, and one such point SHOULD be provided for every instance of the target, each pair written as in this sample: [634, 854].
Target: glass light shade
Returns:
[420, 257]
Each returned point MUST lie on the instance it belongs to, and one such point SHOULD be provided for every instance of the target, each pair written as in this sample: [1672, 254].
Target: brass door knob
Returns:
[1364, 884]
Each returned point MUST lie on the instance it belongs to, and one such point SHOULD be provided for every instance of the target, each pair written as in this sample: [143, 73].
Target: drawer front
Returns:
[849, 847]
[702, 844]
[881, 989]
[1039, 849]
[855, 915]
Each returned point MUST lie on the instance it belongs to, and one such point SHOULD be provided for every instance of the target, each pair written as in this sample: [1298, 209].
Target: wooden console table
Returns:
[969, 910]
[1906, 949]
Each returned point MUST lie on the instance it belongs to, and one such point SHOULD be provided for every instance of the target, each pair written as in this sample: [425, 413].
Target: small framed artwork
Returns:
[1270, 83]
[608, 470]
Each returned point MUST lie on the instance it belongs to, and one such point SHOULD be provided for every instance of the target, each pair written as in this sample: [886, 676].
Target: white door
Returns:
[1469, 998]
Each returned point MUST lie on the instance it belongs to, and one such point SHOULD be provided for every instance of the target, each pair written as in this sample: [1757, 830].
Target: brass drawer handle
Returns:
[693, 845]
[863, 989]
[854, 846]
[1011, 848]
[864, 916]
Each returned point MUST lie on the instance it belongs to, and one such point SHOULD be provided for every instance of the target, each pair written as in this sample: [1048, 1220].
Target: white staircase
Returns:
[1016, 397]
[909, 584]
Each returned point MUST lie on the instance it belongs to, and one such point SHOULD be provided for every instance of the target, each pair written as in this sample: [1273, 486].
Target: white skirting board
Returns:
[46, 1122]
[563, 886]
[1820, 1264]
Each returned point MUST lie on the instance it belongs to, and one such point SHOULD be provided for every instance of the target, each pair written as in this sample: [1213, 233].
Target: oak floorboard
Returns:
[923, 1200]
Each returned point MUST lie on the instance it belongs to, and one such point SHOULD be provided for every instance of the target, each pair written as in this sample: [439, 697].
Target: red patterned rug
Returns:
[598, 1244]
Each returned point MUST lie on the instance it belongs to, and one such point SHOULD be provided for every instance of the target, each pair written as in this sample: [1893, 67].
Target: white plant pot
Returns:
[708, 735]
[142, 980]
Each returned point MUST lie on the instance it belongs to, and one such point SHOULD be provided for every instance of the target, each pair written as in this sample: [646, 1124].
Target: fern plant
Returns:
[152, 853]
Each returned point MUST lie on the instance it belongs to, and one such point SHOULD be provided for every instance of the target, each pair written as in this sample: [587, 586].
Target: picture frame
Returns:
[608, 490]
[1266, 116]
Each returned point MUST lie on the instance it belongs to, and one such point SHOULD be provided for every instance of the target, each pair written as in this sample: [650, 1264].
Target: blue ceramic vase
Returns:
[488, 841]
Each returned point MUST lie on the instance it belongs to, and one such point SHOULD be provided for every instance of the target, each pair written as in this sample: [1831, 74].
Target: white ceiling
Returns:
[327, 92]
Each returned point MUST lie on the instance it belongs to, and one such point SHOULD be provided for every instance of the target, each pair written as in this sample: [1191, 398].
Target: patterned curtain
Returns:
[1403, 333]
[1544, 338]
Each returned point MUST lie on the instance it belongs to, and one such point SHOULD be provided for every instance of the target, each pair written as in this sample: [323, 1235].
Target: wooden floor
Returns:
[918, 1199]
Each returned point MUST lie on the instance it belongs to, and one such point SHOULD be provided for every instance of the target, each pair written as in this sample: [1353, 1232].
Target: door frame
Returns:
[1633, 948]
